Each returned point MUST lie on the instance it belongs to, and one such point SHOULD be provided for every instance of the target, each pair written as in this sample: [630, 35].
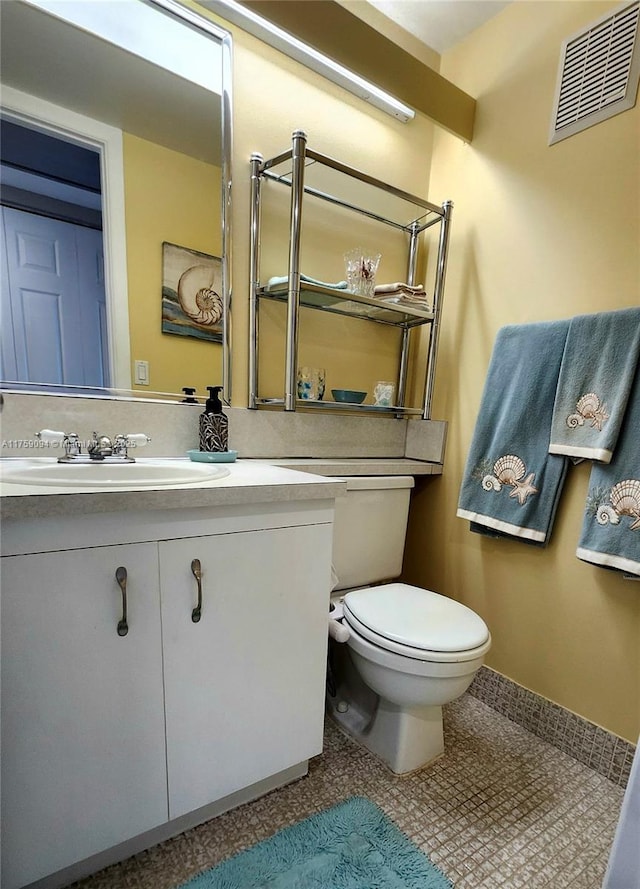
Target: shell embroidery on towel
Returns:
[623, 499]
[589, 407]
[511, 471]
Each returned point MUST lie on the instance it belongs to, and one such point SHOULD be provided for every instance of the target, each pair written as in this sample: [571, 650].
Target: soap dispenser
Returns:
[214, 425]
[189, 393]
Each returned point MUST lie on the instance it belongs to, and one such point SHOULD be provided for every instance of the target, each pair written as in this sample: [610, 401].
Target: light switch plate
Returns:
[141, 369]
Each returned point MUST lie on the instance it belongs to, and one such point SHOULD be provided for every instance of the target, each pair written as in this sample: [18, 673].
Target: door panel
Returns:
[244, 686]
[55, 300]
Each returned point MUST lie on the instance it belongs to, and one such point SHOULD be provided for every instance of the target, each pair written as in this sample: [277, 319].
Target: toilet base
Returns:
[406, 739]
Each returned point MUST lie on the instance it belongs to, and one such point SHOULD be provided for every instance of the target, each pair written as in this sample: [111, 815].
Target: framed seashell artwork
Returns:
[191, 293]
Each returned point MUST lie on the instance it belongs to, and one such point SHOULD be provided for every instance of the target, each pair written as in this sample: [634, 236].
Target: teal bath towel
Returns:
[511, 483]
[611, 529]
[598, 365]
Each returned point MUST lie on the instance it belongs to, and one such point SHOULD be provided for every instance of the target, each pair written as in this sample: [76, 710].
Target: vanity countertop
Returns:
[335, 466]
[248, 481]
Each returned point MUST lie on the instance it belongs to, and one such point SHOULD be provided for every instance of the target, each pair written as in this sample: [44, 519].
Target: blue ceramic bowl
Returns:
[348, 396]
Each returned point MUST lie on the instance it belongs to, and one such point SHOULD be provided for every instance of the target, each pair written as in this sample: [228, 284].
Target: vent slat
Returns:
[571, 89]
[589, 107]
[595, 70]
[575, 67]
[624, 29]
[617, 75]
[623, 44]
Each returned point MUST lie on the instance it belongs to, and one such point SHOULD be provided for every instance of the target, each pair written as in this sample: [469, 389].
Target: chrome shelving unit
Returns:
[288, 169]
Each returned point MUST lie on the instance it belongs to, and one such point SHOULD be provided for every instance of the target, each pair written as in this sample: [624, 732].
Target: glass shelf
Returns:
[343, 302]
[342, 406]
[326, 178]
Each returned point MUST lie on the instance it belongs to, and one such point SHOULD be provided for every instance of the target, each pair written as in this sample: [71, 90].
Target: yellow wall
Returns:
[538, 233]
[174, 198]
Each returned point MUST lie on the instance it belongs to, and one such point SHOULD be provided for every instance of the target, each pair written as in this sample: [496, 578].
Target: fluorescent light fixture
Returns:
[307, 55]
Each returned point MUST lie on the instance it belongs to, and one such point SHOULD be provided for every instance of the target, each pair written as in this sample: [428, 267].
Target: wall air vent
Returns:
[598, 74]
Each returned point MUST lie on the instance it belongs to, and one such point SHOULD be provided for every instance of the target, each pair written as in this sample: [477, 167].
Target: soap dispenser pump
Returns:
[214, 425]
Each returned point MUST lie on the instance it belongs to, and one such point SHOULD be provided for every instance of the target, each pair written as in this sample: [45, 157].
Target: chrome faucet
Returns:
[102, 446]
[71, 444]
[120, 445]
[99, 448]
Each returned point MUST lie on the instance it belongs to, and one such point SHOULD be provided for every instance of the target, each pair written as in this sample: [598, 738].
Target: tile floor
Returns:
[501, 810]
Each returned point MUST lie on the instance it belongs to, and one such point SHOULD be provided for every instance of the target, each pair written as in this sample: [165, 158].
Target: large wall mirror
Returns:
[115, 198]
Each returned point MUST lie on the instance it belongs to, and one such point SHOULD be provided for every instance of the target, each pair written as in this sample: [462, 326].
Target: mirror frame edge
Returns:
[196, 19]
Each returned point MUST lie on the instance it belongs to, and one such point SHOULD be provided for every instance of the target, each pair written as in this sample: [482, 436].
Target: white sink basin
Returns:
[142, 473]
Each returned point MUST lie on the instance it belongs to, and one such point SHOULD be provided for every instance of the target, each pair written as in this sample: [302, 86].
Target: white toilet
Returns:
[409, 650]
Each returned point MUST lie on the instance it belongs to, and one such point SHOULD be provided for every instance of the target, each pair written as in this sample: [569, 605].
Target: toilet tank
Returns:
[369, 529]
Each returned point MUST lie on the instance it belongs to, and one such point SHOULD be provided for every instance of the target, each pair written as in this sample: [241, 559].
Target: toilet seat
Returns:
[416, 623]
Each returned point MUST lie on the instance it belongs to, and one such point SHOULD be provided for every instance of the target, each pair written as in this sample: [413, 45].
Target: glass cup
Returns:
[311, 382]
[361, 267]
[383, 393]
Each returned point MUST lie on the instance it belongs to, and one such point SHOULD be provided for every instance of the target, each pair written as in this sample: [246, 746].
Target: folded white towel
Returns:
[397, 287]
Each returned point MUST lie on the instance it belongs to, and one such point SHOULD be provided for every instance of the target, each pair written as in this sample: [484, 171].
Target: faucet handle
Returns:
[137, 439]
[134, 439]
[49, 436]
[70, 441]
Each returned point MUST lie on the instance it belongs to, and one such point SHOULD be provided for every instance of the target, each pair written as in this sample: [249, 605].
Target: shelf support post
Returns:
[443, 249]
[254, 277]
[299, 147]
[412, 262]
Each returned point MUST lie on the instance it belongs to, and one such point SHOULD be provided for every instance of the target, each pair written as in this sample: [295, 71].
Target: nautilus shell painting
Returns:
[192, 303]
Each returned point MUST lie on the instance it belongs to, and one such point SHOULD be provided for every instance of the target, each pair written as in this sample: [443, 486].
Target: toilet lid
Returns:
[417, 618]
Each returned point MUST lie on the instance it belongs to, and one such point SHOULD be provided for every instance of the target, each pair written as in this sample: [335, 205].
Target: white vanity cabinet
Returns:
[242, 686]
[82, 715]
[108, 736]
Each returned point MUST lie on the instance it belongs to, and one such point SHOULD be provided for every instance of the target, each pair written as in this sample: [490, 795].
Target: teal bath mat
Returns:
[350, 846]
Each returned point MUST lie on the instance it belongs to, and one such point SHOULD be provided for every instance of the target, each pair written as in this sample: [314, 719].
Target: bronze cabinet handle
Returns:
[121, 577]
[196, 570]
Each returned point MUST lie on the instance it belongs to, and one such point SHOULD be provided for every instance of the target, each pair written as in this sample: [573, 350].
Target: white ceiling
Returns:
[439, 24]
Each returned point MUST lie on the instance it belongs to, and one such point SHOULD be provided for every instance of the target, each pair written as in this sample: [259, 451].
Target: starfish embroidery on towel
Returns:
[510, 470]
[589, 407]
[523, 489]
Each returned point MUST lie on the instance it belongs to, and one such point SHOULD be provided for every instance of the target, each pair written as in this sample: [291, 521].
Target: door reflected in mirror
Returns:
[53, 291]
[155, 133]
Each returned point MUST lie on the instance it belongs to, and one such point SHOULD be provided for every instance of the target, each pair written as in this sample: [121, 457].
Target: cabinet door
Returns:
[244, 686]
[83, 755]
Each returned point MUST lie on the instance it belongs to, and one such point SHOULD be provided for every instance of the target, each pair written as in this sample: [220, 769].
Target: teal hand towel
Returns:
[598, 365]
[511, 483]
[279, 280]
[611, 529]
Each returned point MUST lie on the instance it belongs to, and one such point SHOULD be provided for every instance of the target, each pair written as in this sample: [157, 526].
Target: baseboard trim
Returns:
[590, 744]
